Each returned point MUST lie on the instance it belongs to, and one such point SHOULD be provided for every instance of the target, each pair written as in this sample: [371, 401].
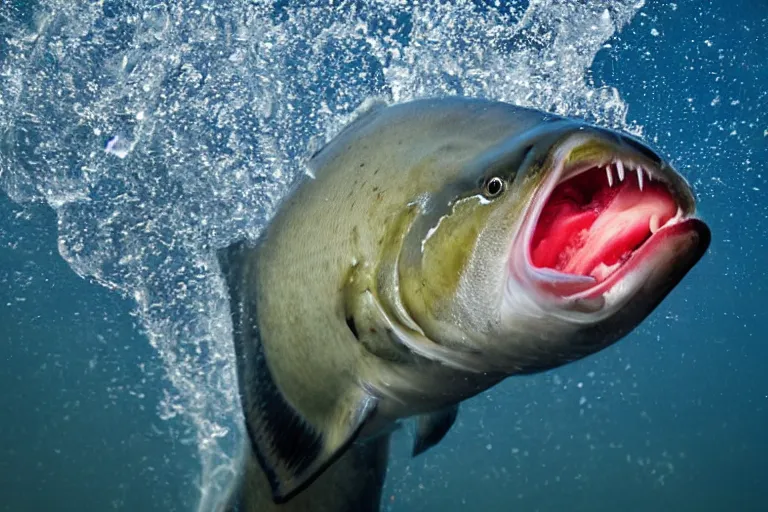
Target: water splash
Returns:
[159, 131]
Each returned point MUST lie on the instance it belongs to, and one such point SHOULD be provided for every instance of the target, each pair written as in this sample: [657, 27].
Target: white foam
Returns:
[166, 132]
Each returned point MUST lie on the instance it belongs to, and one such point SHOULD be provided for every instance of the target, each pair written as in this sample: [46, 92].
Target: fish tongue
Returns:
[619, 229]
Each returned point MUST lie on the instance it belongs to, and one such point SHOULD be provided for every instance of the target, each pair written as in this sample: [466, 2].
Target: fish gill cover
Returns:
[159, 131]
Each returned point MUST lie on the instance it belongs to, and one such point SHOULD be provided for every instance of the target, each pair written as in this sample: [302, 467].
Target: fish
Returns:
[353, 483]
[433, 249]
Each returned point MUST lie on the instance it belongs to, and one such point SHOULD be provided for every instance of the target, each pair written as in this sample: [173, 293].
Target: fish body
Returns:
[435, 248]
[352, 484]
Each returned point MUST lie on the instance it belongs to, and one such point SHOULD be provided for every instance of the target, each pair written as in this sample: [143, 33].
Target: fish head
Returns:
[548, 247]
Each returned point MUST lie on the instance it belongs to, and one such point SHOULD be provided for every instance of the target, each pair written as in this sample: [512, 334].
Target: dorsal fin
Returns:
[291, 451]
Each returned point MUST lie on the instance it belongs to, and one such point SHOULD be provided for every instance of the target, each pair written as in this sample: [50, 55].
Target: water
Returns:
[136, 137]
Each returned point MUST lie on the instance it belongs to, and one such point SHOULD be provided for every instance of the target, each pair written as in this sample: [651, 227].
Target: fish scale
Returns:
[403, 278]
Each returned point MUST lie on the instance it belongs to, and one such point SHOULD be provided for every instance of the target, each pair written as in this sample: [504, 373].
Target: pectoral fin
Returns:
[432, 428]
[291, 450]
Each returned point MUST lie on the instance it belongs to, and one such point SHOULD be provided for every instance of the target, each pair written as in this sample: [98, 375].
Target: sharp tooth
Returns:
[620, 169]
[650, 176]
[654, 224]
[639, 172]
[609, 173]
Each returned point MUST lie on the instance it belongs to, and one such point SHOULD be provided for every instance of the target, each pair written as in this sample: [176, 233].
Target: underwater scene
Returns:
[138, 139]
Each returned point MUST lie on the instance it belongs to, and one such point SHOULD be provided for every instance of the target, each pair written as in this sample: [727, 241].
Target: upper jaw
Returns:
[620, 161]
[622, 158]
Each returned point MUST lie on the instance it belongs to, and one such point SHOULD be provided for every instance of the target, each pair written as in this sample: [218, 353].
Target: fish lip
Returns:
[624, 151]
[687, 239]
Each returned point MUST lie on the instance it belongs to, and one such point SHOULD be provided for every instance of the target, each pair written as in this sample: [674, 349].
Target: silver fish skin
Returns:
[435, 248]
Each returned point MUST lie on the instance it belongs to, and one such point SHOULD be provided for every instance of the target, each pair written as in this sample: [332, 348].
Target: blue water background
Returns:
[672, 418]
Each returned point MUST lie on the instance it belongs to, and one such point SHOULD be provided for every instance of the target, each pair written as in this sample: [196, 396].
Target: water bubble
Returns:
[120, 146]
[206, 117]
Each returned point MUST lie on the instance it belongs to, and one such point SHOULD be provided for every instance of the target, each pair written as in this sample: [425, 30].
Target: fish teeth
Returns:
[654, 224]
[641, 172]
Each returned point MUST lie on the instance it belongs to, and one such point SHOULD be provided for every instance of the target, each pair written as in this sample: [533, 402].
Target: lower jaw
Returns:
[675, 248]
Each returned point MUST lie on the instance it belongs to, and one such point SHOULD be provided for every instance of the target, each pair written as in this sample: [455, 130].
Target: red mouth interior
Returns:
[590, 228]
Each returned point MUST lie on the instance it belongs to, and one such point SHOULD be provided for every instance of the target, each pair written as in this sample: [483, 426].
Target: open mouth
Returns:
[601, 222]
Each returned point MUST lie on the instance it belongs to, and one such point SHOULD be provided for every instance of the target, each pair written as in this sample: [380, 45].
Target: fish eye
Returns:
[494, 186]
